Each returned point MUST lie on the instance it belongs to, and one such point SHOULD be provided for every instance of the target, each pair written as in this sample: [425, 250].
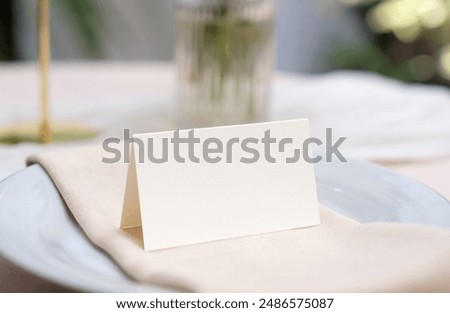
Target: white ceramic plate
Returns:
[38, 233]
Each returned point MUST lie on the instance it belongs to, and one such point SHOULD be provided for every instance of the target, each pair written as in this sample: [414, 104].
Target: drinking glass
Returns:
[224, 54]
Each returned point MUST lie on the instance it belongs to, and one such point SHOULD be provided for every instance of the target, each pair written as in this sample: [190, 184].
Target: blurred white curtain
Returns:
[132, 29]
[143, 29]
[308, 29]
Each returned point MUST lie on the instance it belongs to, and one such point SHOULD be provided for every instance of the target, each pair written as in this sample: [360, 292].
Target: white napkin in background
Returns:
[383, 119]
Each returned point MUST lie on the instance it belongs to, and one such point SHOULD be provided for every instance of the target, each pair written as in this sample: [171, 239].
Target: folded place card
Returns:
[192, 186]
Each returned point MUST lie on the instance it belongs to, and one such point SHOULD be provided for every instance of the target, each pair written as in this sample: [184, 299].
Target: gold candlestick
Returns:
[45, 133]
[45, 130]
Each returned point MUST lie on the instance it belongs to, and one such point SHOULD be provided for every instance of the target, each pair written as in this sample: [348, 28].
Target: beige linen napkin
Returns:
[339, 255]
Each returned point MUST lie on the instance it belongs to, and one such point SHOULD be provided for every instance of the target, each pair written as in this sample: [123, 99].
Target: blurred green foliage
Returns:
[408, 40]
[86, 19]
[369, 57]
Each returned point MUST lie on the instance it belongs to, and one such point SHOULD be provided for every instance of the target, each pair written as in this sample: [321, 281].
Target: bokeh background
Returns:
[407, 40]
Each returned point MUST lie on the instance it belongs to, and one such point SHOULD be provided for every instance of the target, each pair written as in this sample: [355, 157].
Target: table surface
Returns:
[75, 86]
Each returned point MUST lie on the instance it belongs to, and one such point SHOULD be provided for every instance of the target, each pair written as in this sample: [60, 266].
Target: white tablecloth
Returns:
[406, 127]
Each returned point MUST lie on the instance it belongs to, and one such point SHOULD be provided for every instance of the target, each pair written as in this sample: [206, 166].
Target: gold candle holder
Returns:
[45, 131]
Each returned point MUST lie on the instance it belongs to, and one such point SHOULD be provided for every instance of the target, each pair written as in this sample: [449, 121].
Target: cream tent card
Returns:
[198, 185]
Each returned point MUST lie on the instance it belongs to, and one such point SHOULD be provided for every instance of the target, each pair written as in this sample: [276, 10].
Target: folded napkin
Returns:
[337, 256]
